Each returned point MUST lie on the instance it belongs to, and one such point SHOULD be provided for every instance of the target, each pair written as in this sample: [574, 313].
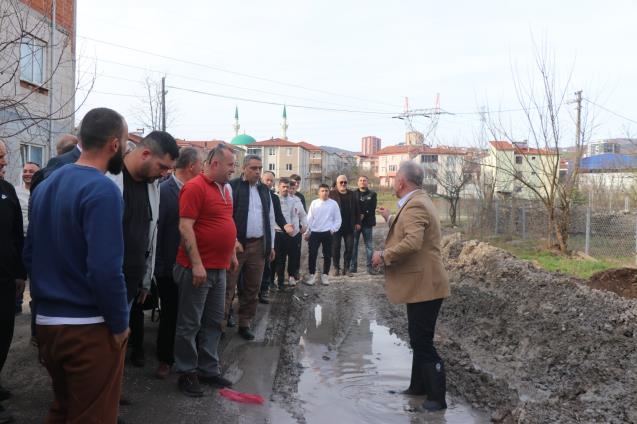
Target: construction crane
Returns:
[433, 114]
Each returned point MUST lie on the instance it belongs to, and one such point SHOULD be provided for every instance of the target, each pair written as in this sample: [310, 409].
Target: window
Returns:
[288, 166]
[288, 151]
[518, 160]
[32, 60]
[271, 151]
[30, 153]
[430, 174]
[270, 167]
[532, 157]
[253, 151]
[429, 158]
[392, 168]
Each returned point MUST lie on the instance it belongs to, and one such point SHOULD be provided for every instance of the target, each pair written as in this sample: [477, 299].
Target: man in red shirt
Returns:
[208, 237]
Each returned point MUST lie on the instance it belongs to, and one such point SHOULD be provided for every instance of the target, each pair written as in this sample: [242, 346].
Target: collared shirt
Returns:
[179, 183]
[403, 200]
[254, 227]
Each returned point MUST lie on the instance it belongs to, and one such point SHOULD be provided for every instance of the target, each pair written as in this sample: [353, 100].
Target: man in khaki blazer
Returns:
[415, 275]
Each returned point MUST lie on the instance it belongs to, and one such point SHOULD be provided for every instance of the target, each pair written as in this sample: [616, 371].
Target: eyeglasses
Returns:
[343, 182]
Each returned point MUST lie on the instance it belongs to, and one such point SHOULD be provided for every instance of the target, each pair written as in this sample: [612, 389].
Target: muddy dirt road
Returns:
[520, 345]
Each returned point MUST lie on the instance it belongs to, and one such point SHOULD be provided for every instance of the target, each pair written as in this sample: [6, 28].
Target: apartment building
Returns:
[283, 157]
[37, 56]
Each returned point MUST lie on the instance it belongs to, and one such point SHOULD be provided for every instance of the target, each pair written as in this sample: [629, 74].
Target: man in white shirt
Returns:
[285, 244]
[24, 191]
[323, 220]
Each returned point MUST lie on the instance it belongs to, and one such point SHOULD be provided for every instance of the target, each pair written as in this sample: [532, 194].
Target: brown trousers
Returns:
[251, 263]
[86, 366]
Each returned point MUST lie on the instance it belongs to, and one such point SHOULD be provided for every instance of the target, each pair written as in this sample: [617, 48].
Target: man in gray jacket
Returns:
[151, 159]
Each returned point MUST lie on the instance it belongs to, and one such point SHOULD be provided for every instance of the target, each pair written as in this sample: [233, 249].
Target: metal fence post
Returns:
[587, 244]
[636, 241]
[497, 216]
[523, 223]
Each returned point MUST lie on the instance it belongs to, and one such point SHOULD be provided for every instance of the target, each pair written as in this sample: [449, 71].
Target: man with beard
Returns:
[151, 159]
[77, 280]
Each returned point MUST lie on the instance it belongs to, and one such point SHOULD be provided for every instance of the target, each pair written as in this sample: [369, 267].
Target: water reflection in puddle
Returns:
[352, 384]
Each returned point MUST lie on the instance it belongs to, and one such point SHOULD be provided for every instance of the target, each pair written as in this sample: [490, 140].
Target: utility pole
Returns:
[163, 103]
[578, 122]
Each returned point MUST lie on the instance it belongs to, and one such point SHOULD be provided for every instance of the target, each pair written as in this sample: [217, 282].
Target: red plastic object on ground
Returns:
[241, 397]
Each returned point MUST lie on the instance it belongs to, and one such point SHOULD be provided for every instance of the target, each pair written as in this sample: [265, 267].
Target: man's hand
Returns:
[238, 247]
[306, 236]
[121, 338]
[272, 255]
[289, 229]
[19, 287]
[142, 295]
[303, 230]
[384, 212]
[377, 259]
[234, 263]
[199, 274]
[357, 227]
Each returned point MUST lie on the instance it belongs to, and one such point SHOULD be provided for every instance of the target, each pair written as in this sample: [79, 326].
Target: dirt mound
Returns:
[567, 351]
[621, 281]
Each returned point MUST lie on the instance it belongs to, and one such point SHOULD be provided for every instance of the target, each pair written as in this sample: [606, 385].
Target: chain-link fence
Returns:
[595, 230]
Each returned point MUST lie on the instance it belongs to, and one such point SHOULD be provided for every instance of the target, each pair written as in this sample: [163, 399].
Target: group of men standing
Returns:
[98, 236]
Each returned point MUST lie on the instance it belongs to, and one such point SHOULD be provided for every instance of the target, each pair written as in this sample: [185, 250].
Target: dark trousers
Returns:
[316, 240]
[294, 256]
[7, 317]
[266, 279]
[169, 298]
[86, 365]
[284, 247]
[367, 233]
[136, 324]
[421, 324]
[348, 239]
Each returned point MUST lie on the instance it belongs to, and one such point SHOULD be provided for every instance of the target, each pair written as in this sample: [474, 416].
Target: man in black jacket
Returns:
[367, 204]
[268, 272]
[253, 215]
[187, 166]
[58, 161]
[351, 222]
[12, 271]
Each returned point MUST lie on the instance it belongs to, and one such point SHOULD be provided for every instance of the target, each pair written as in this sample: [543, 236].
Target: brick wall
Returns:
[64, 15]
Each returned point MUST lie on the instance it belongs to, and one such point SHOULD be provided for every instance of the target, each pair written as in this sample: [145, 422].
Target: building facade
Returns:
[283, 157]
[370, 145]
[37, 85]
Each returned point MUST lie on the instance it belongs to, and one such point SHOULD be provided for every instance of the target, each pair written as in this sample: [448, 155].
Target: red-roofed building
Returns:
[283, 157]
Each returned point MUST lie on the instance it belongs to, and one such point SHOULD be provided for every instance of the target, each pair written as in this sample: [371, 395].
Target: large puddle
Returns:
[352, 382]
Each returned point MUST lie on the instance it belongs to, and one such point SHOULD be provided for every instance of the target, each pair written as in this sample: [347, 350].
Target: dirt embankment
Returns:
[622, 281]
[557, 350]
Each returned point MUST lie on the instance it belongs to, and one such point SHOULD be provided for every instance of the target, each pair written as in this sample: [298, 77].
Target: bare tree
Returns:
[28, 68]
[453, 176]
[149, 110]
[535, 166]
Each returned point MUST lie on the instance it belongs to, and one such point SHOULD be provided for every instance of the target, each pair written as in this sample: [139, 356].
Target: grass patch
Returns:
[552, 261]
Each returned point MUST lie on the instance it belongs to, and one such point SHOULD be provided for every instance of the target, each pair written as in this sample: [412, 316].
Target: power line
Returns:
[245, 99]
[228, 71]
[612, 112]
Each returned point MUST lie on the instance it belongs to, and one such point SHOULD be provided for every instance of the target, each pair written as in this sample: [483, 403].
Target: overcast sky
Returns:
[362, 56]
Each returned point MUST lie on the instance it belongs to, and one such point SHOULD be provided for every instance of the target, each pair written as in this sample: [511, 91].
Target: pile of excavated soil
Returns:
[567, 352]
[621, 281]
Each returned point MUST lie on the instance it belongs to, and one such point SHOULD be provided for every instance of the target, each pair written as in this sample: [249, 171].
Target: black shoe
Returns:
[433, 374]
[4, 394]
[5, 416]
[416, 384]
[246, 333]
[124, 401]
[216, 381]
[189, 385]
[371, 271]
[264, 298]
[231, 320]
[137, 358]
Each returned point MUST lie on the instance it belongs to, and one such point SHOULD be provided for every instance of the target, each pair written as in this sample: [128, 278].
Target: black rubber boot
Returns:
[436, 384]
[417, 383]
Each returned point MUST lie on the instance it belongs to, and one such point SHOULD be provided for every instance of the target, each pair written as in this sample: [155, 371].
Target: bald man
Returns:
[66, 143]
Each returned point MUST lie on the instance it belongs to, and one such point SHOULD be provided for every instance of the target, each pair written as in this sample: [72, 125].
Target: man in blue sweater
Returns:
[74, 253]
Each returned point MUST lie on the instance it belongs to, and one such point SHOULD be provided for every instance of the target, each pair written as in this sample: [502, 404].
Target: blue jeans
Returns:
[369, 247]
[200, 310]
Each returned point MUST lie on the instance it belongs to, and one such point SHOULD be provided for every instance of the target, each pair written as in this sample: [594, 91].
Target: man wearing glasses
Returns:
[351, 222]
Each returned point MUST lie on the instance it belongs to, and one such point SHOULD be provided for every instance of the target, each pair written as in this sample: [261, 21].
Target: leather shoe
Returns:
[246, 333]
[189, 385]
[216, 381]
[163, 371]
[264, 298]
[231, 321]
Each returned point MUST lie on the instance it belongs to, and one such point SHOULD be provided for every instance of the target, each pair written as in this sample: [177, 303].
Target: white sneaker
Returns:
[324, 280]
[292, 281]
[311, 281]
